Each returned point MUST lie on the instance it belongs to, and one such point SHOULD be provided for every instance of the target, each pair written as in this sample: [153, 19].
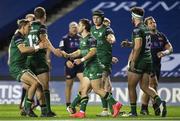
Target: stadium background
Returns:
[61, 12]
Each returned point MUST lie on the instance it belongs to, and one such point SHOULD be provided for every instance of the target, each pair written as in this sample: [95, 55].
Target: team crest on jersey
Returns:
[100, 34]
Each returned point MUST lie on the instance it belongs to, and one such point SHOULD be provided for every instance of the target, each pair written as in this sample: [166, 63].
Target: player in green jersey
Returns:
[39, 62]
[92, 72]
[140, 63]
[105, 38]
[30, 18]
[17, 64]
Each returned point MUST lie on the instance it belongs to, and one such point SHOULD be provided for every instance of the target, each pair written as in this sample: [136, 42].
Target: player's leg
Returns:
[22, 98]
[44, 80]
[30, 79]
[133, 79]
[153, 82]
[106, 85]
[144, 84]
[85, 86]
[95, 83]
[155, 86]
[145, 97]
[41, 98]
[77, 99]
[70, 75]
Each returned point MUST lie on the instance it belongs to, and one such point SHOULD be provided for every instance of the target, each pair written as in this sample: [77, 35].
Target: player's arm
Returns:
[136, 51]
[24, 49]
[48, 58]
[168, 50]
[110, 36]
[44, 38]
[137, 48]
[126, 43]
[75, 54]
[90, 54]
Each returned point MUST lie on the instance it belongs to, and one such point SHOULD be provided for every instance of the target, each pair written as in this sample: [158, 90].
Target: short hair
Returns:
[87, 24]
[30, 15]
[22, 22]
[73, 23]
[138, 11]
[148, 18]
[39, 12]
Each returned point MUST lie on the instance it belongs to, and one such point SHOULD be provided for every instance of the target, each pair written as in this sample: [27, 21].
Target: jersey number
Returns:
[148, 42]
[33, 39]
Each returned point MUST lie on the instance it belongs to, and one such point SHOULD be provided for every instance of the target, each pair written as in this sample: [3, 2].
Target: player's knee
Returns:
[35, 84]
[96, 90]
[144, 87]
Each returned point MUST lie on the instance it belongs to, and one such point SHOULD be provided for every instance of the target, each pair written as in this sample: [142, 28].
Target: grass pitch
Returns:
[11, 112]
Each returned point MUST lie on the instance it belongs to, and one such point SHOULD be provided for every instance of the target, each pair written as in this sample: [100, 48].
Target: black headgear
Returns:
[99, 13]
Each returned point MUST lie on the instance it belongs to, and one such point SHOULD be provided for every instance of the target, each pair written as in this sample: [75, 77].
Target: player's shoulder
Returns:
[161, 34]
[93, 27]
[17, 35]
[38, 23]
[35, 23]
[78, 36]
[136, 30]
[65, 36]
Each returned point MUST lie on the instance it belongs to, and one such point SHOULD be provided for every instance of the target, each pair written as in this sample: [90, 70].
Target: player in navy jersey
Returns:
[69, 44]
[160, 46]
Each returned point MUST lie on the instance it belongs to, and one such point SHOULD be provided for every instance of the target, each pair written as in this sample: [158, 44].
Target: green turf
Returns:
[11, 112]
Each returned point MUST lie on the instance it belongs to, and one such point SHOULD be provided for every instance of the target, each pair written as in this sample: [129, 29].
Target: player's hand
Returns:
[131, 65]
[57, 52]
[125, 43]
[66, 55]
[69, 64]
[160, 54]
[115, 60]
[77, 61]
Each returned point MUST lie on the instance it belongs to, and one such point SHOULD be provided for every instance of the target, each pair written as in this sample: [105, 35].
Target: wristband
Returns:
[36, 47]
[166, 52]
[82, 59]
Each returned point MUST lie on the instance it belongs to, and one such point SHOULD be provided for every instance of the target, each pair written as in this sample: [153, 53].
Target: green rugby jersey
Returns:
[33, 39]
[141, 31]
[16, 58]
[85, 45]
[104, 48]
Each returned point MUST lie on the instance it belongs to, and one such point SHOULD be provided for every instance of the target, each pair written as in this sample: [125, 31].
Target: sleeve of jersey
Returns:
[61, 44]
[109, 31]
[43, 29]
[137, 33]
[166, 41]
[92, 42]
[18, 40]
